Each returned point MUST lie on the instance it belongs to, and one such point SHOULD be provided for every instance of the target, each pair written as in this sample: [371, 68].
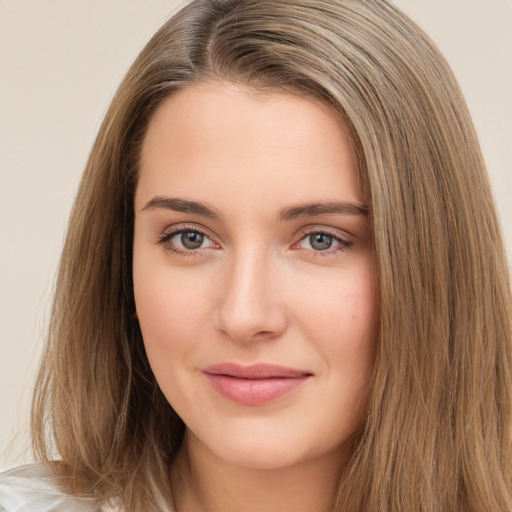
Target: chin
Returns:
[269, 448]
[266, 458]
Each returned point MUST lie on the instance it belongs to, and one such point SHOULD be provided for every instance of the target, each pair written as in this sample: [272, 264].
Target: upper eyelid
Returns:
[342, 240]
[169, 231]
[331, 231]
[164, 239]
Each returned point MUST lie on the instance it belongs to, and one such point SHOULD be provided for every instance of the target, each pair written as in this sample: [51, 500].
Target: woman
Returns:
[283, 286]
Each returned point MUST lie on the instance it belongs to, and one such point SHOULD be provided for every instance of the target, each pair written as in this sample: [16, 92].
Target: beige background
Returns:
[60, 62]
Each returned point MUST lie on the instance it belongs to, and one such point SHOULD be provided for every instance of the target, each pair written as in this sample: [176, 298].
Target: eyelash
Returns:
[177, 230]
[164, 240]
[344, 243]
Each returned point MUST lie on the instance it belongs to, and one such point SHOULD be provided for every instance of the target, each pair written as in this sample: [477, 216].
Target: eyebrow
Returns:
[181, 205]
[287, 214]
[323, 208]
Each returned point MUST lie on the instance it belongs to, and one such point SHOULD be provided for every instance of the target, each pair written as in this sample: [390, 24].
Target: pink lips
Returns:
[255, 384]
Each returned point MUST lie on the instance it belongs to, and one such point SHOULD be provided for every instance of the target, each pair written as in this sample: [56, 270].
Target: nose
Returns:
[250, 305]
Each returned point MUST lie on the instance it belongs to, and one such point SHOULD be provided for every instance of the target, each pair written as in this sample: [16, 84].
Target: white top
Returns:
[32, 488]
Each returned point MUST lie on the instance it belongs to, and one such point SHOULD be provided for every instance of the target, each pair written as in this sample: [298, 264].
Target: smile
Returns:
[255, 384]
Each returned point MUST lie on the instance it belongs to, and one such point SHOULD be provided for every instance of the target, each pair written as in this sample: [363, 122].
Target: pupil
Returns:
[320, 242]
[191, 239]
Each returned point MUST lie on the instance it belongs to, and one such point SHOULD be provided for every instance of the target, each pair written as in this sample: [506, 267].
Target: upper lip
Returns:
[255, 371]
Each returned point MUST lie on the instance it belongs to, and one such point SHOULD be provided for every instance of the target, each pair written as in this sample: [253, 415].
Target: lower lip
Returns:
[254, 391]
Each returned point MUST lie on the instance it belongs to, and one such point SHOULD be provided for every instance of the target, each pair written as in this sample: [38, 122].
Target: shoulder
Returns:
[32, 488]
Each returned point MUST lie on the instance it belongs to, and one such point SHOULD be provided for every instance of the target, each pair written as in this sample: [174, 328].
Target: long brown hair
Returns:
[437, 434]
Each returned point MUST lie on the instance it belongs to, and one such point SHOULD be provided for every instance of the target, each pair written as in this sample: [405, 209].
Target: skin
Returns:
[259, 288]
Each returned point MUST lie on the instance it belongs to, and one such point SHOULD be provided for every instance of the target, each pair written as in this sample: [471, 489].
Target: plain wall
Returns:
[60, 63]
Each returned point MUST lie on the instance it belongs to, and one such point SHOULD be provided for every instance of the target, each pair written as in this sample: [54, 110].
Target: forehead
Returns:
[219, 139]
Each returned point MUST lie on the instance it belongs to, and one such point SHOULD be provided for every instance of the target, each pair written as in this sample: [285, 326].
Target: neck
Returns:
[202, 482]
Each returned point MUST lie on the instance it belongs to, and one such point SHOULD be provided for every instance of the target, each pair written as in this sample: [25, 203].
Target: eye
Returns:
[323, 242]
[320, 241]
[189, 239]
[186, 241]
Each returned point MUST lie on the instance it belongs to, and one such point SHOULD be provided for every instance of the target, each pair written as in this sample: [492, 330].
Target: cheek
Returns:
[358, 325]
[170, 327]
[163, 302]
[343, 323]
[344, 311]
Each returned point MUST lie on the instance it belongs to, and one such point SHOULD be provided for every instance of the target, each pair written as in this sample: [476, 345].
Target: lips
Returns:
[255, 384]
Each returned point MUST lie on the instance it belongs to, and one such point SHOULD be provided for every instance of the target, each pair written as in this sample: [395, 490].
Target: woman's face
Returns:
[254, 273]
